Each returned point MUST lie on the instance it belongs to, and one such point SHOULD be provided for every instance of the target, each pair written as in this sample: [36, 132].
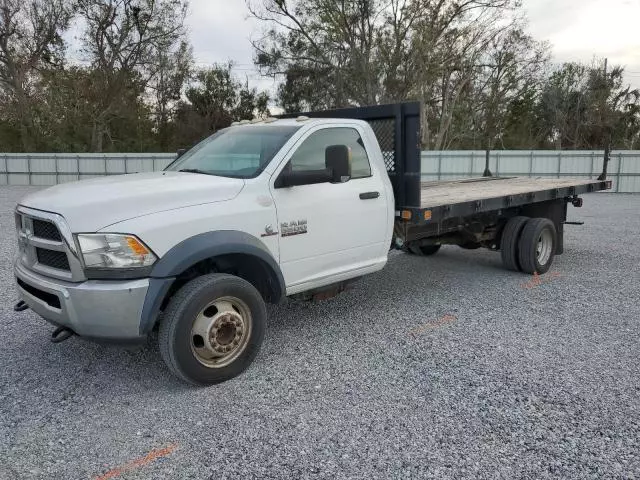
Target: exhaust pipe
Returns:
[61, 334]
[21, 306]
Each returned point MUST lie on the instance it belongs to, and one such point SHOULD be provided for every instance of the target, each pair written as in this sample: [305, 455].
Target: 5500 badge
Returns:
[288, 229]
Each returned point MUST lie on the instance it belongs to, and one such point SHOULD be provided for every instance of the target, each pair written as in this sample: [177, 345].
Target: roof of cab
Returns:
[302, 121]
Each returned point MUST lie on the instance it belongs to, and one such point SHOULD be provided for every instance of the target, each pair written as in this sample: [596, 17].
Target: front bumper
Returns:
[95, 308]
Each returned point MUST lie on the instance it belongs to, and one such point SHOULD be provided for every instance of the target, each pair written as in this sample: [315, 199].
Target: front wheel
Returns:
[212, 329]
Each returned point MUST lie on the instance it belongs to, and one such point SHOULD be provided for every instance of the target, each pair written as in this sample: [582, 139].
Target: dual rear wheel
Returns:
[528, 244]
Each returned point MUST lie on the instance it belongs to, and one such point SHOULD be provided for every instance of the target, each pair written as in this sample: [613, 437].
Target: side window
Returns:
[310, 155]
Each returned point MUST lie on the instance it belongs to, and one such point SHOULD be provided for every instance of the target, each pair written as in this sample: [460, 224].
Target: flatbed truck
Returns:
[297, 206]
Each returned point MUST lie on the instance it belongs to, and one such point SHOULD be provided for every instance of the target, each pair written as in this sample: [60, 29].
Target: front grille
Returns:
[49, 298]
[46, 230]
[53, 259]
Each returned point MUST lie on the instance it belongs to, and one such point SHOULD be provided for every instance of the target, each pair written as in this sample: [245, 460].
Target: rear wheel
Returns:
[212, 329]
[425, 250]
[537, 245]
[509, 242]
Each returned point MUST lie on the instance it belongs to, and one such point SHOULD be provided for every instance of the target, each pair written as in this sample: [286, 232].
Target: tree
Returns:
[512, 66]
[172, 71]
[30, 39]
[582, 106]
[333, 53]
[215, 100]
[123, 41]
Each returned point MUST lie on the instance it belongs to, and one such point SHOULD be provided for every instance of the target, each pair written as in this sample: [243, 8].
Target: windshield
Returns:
[239, 152]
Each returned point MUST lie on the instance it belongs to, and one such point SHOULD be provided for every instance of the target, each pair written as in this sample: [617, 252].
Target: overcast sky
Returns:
[577, 29]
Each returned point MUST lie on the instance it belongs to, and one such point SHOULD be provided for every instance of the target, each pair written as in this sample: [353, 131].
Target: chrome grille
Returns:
[46, 230]
[46, 245]
[53, 259]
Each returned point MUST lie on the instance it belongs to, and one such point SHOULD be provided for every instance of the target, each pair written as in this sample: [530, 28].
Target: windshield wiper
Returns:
[194, 170]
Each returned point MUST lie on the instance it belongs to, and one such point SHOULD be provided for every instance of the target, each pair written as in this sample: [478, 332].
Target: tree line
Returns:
[482, 80]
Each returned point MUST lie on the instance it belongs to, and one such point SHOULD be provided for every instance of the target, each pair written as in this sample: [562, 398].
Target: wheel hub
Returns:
[544, 247]
[221, 331]
[225, 333]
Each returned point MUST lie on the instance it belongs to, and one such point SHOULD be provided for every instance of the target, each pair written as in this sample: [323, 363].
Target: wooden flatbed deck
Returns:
[457, 198]
[435, 194]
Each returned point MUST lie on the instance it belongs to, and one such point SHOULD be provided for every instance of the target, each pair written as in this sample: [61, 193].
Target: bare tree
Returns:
[30, 37]
[122, 41]
[337, 53]
[171, 70]
[513, 62]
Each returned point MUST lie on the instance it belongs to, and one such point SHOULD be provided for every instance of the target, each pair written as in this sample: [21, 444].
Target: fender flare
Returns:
[195, 249]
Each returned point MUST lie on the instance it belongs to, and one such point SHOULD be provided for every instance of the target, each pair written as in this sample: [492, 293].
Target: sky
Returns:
[578, 30]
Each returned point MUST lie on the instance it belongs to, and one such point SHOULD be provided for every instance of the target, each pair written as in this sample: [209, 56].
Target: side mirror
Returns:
[304, 177]
[337, 159]
[180, 152]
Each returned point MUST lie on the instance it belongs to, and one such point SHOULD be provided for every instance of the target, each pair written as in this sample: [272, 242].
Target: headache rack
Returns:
[397, 128]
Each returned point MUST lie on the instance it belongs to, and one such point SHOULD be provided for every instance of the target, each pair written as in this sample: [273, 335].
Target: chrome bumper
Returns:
[94, 308]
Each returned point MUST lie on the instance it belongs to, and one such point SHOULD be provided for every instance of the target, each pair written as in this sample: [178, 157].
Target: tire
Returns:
[231, 315]
[537, 245]
[424, 251]
[509, 242]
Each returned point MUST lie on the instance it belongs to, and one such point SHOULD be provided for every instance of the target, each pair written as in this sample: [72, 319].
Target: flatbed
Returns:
[441, 193]
[441, 200]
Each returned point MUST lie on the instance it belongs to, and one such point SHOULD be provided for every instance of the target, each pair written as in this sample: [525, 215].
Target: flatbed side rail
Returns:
[439, 213]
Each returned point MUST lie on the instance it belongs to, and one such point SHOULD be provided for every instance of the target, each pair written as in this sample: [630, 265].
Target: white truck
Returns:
[257, 212]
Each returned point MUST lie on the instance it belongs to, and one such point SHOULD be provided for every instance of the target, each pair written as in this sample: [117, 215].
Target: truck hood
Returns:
[90, 205]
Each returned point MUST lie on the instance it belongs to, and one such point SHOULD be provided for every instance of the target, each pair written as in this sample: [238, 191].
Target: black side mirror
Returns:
[336, 159]
[180, 152]
[304, 177]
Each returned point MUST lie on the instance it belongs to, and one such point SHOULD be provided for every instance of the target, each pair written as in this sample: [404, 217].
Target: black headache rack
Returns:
[397, 128]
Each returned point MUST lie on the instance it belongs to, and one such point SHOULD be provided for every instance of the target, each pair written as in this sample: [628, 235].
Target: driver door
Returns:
[330, 231]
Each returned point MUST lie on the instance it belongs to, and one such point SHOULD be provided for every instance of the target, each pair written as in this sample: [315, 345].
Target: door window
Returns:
[310, 155]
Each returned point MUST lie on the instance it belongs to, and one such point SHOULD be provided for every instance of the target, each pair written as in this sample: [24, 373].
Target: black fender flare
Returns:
[195, 249]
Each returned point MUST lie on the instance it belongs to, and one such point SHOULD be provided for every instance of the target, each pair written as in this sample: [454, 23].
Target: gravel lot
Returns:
[442, 367]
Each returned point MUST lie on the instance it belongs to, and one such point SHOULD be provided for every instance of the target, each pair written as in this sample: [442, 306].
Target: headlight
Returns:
[113, 251]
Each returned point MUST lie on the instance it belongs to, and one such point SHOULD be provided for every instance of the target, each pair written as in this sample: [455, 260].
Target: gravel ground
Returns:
[441, 367]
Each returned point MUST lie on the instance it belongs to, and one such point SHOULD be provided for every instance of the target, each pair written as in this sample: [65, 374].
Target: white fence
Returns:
[624, 168]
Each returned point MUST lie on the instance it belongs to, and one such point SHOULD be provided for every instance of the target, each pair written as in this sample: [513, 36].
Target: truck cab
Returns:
[272, 208]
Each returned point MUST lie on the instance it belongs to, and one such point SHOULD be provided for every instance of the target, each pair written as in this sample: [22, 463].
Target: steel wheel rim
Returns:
[544, 246]
[221, 332]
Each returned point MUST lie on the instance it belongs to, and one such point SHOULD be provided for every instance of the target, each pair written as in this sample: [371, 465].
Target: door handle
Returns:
[369, 195]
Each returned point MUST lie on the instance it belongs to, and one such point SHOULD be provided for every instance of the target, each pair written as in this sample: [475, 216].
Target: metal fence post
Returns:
[559, 162]
[439, 165]
[55, 162]
[77, 167]
[531, 164]
[497, 162]
[619, 171]
[29, 169]
[593, 159]
[471, 164]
